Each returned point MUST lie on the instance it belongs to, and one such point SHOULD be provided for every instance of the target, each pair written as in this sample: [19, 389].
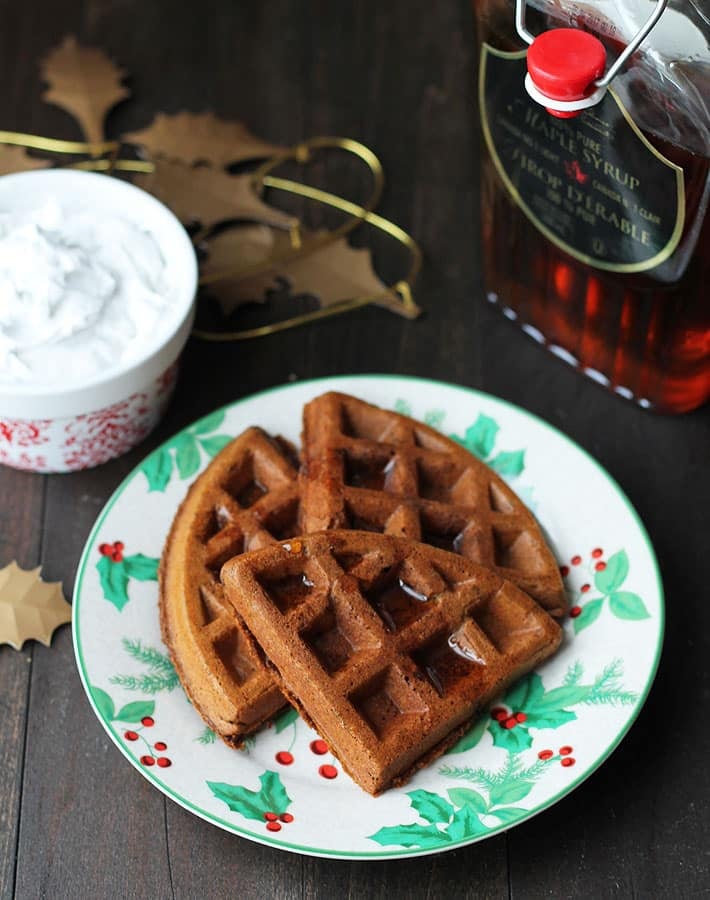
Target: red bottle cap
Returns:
[564, 63]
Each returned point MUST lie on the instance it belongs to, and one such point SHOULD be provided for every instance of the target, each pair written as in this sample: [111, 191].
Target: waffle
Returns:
[371, 469]
[387, 647]
[247, 498]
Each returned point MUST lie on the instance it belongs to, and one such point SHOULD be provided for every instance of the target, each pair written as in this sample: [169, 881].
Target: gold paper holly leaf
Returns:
[200, 137]
[16, 159]
[209, 195]
[332, 273]
[84, 82]
[30, 609]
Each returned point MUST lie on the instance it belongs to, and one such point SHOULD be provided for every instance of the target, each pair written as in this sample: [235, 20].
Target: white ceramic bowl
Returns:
[64, 428]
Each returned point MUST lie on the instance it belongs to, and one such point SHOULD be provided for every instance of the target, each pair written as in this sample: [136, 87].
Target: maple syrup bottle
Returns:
[595, 196]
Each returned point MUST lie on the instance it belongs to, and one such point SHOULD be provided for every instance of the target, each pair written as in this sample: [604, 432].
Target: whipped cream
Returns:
[81, 291]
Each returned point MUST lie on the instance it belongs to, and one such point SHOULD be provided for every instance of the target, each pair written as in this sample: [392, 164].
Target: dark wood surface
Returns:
[75, 819]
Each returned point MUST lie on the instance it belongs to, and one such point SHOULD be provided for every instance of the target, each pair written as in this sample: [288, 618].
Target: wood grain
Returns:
[75, 819]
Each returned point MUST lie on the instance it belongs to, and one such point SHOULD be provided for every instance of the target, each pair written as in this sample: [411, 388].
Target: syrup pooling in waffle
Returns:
[247, 498]
[370, 469]
[386, 646]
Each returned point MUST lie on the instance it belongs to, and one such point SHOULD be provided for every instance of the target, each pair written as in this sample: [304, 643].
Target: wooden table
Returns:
[75, 819]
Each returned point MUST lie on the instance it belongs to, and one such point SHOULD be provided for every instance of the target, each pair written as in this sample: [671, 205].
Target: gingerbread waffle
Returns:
[368, 468]
[387, 647]
[247, 498]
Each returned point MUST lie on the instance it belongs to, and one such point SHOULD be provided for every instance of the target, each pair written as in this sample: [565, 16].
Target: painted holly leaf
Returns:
[557, 698]
[465, 824]
[480, 437]
[525, 693]
[285, 720]
[104, 703]
[508, 462]
[134, 712]
[431, 807]
[142, 568]
[403, 407]
[114, 581]
[17, 159]
[157, 469]
[509, 814]
[424, 836]
[85, 83]
[471, 738]
[514, 740]
[590, 613]
[213, 445]
[614, 574]
[187, 455]
[209, 423]
[551, 719]
[468, 797]
[209, 196]
[200, 137]
[509, 792]
[434, 418]
[272, 797]
[626, 605]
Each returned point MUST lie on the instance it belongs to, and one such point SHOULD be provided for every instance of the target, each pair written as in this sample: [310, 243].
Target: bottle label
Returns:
[593, 185]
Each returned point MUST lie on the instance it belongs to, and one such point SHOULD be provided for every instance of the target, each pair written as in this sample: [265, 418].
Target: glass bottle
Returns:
[595, 228]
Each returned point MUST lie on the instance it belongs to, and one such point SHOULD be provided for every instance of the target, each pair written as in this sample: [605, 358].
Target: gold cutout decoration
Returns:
[85, 83]
[200, 138]
[30, 609]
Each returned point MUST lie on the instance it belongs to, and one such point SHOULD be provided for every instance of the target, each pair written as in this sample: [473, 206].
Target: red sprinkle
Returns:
[319, 747]
[273, 826]
[567, 761]
[575, 611]
[286, 817]
[597, 552]
[576, 560]
[545, 754]
[270, 817]
[147, 760]
[600, 566]
[328, 772]
[565, 751]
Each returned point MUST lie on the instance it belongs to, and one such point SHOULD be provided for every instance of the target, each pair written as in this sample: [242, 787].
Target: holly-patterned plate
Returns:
[538, 742]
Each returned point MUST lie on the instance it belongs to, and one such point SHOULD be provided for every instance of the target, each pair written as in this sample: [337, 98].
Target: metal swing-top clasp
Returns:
[566, 65]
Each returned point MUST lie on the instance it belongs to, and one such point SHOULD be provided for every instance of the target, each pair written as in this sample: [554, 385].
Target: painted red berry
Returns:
[499, 711]
[117, 556]
[509, 722]
[328, 772]
[600, 566]
[131, 736]
[286, 817]
[148, 721]
[565, 751]
[575, 611]
[273, 826]
[567, 761]
[597, 552]
[520, 717]
[564, 571]
[118, 545]
[160, 745]
[270, 817]
[147, 760]
[545, 754]
[319, 747]
[284, 757]
[585, 588]
[164, 762]
[576, 560]
[105, 549]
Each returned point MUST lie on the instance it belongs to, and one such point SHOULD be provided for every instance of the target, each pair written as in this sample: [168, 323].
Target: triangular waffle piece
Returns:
[246, 498]
[386, 646]
[368, 468]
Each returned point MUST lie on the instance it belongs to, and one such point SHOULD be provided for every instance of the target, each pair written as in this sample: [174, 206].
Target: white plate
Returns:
[571, 713]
